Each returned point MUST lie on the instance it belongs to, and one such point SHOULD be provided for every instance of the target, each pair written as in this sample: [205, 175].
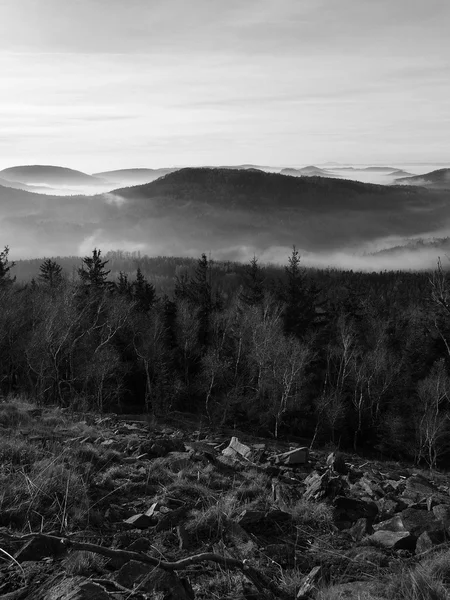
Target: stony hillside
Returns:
[124, 507]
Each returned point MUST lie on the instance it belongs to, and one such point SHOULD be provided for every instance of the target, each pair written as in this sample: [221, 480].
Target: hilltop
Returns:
[439, 179]
[133, 176]
[48, 175]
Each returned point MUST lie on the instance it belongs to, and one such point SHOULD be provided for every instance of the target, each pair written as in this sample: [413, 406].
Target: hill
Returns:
[310, 171]
[133, 176]
[232, 213]
[48, 175]
[439, 179]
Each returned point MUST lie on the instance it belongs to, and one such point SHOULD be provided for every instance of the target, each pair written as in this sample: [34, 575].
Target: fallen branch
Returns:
[259, 580]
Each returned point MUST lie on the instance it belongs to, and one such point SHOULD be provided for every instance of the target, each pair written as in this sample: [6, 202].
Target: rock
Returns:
[259, 518]
[394, 540]
[427, 540]
[139, 545]
[297, 456]
[153, 579]
[418, 489]
[161, 447]
[417, 521]
[327, 485]
[172, 519]
[39, 547]
[235, 449]
[360, 529]
[387, 507]
[393, 524]
[352, 509]
[335, 462]
[141, 521]
[442, 514]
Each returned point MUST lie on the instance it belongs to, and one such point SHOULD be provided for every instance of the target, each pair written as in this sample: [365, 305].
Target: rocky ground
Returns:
[109, 507]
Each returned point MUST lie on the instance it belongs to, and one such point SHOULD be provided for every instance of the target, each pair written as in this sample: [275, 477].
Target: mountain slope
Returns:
[439, 179]
[232, 213]
[310, 171]
[133, 176]
[48, 175]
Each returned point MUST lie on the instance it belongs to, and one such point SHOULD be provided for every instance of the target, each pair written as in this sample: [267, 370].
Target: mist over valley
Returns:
[338, 216]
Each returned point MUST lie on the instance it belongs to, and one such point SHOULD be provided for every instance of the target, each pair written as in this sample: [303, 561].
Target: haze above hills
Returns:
[231, 212]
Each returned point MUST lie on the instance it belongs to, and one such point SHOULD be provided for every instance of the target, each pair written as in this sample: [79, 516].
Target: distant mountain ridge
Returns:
[134, 176]
[437, 179]
[48, 175]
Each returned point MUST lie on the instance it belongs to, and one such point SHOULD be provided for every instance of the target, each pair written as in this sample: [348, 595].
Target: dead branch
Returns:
[258, 579]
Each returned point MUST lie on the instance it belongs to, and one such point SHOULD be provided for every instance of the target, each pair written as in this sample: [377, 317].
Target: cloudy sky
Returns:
[99, 84]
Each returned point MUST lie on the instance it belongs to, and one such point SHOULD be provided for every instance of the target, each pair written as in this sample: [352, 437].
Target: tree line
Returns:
[357, 359]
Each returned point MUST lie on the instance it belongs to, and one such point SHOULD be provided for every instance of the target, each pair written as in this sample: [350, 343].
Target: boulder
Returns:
[352, 509]
[428, 539]
[297, 456]
[394, 540]
[360, 529]
[393, 524]
[419, 489]
[328, 485]
[335, 461]
[140, 521]
[417, 521]
[442, 514]
[153, 579]
[235, 449]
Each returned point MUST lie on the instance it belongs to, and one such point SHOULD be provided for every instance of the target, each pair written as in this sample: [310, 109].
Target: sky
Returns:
[105, 84]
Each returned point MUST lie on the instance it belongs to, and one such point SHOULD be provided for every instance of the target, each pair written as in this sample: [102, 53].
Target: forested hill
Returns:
[251, 189]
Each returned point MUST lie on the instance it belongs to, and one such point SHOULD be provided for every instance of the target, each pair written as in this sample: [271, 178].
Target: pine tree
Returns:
[143, 292]
[50, 273]
[5, 268]
[123, 285]
[253, 294]
[92, 273]
[299, 298]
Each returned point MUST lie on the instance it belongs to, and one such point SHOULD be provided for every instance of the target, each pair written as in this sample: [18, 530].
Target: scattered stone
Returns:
[394, 540]
[153, 579]
[235, 448]
[172, 519]
[328, 485]
[442, 514]
[393, 524]
[297, 456]
[140, 521]
[335, 462]
[417, 521]
[360, 529]
[418, 489]
[428, 539]
[352, 509]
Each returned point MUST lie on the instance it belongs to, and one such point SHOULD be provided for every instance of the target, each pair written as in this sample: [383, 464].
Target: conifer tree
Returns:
[92, 273]
[5, 268]
[143, 292]
[123, 285]
[299, 298]
[253, 293]
[50, 273]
